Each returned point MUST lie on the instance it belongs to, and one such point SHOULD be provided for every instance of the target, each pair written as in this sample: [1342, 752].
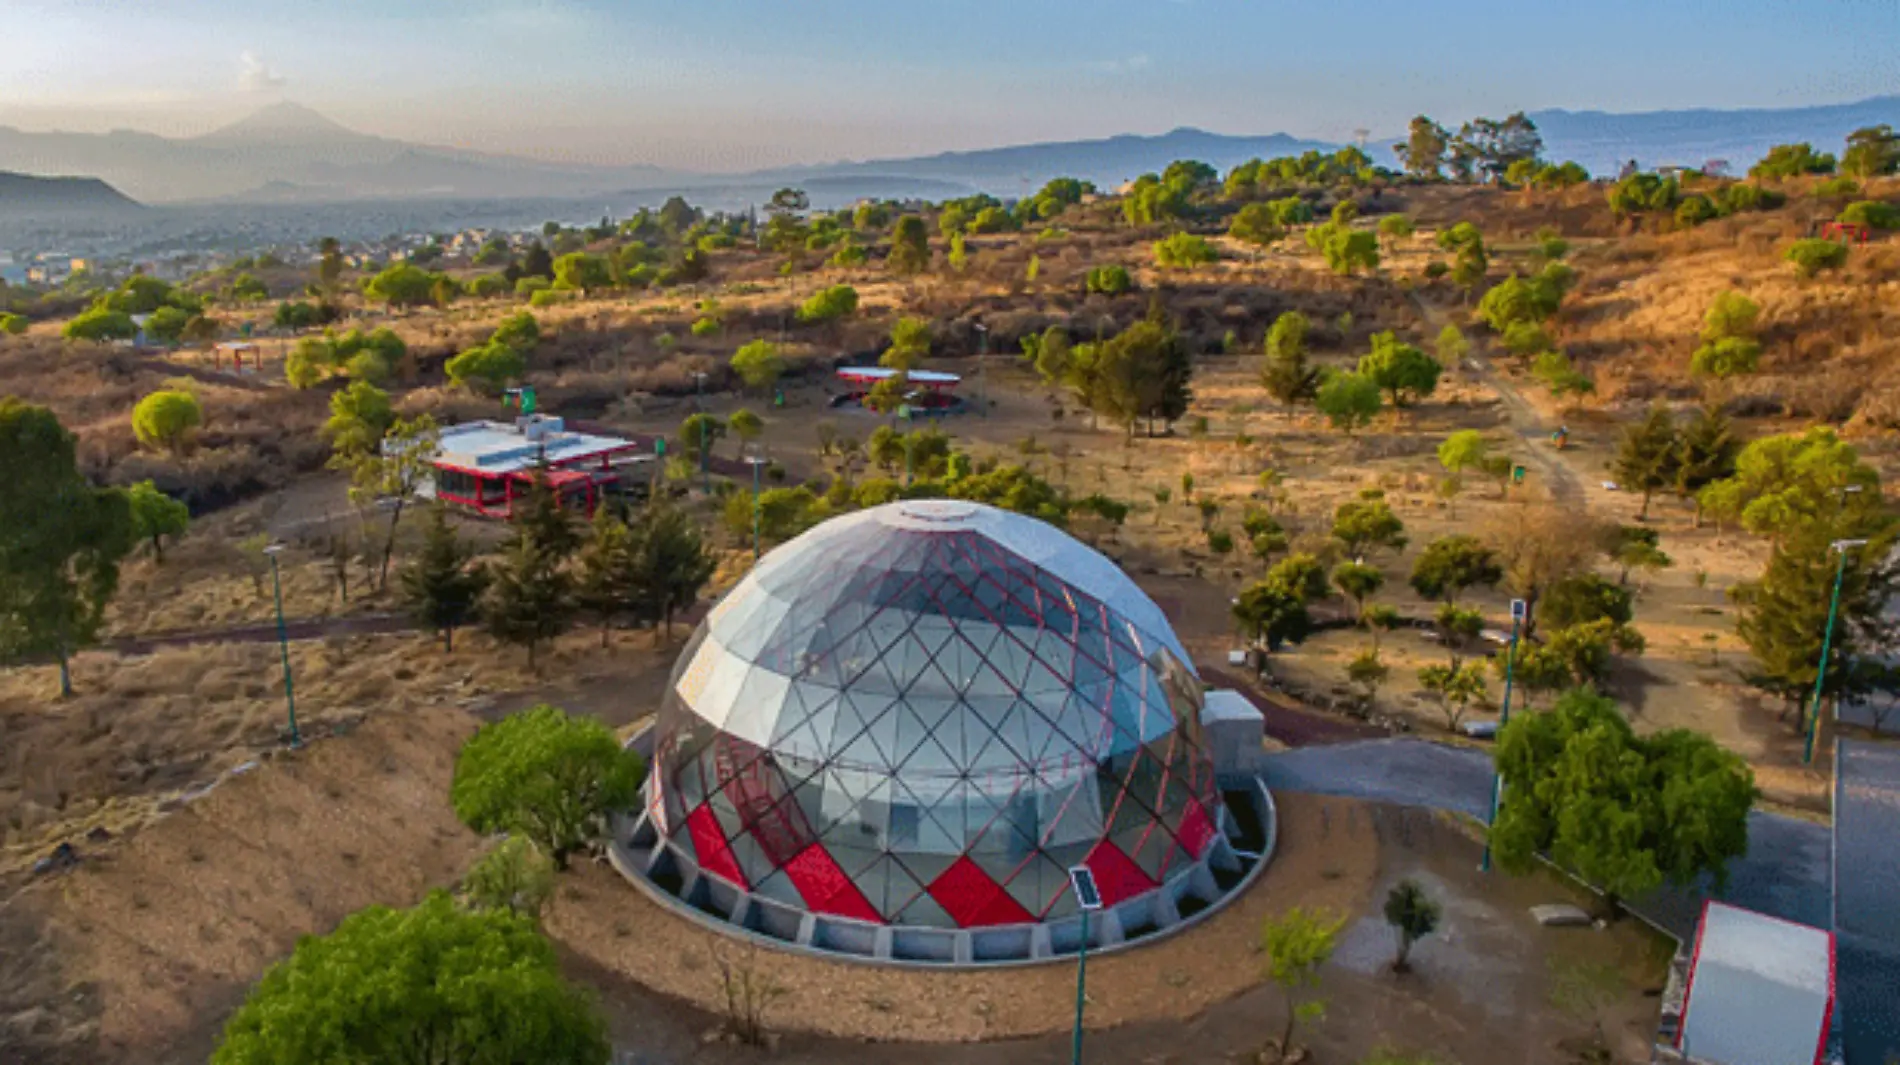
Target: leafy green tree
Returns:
[1400, 370]
[1110, 280]
[99, 324]
[829, 304]
[1395, 227]
[359, 417]
[1271, 613]
[156, 515]
[167, 324]
[1463, 451]
[1872, 151]
[1811, 256]
[61, 543]
[1456, 686]
[1785, 483]
[13, 325]
[580, 270]
[1583, 598]
[392, 472]
[1184, 250]
[1561, 376]
[910, 246]
[1144, 372]
[1358, 582]
[1348, 400]
[166, 419]
[1298, 944]
[1646, 456]
[699, 431]
[1425, 148]
[910, 344]
[529, 599]
[1451, 346]
[1286, 373]
[1256, 223]
[1451, 564]
[1367, 524]
[1871, 213]
[401, 285]
[1729, 347]
[1792, 160]
[1345, 249]
[486, 368]
[547, 776]
[1470, 261]
[425, 986]
[758, 364]
[519, 331]
[1413, 914]
[1608, 804]
[514, 876]
[440, 587]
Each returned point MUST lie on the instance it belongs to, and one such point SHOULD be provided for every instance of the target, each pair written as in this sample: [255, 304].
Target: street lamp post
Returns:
[1519, 611]
[283, 645]
[982, 369]
[1088, 898]
[1827, 644]
[756, 462]
[699, 407]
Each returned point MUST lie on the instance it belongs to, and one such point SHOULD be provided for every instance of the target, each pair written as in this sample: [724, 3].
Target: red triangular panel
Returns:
[969, 896]
[825, 887]
[1116, 875]
[710, 848]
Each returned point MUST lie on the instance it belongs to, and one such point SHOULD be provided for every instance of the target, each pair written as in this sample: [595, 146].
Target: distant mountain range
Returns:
[289, 154]
[26, 195]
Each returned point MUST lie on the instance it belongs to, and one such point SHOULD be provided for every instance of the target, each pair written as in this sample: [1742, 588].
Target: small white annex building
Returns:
[1760, 990]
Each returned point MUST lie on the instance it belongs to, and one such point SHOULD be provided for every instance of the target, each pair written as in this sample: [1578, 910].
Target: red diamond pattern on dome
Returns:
[1196, 829]
[1116, 876]
[972, 899]
[710, 848]
[825, 887]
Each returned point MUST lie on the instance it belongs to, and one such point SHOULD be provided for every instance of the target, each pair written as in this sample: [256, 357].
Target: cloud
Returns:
[1128, 65]
[255, 75]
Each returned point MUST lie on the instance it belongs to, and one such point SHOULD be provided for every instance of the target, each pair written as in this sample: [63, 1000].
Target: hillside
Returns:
[24, 195]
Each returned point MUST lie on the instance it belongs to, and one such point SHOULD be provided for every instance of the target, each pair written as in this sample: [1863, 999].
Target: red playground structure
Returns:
[1846, 232]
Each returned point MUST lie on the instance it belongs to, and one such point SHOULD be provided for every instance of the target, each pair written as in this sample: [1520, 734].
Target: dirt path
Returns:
[1538, 451]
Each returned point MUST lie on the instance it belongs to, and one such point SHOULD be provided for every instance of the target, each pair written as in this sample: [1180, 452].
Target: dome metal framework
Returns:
[922, 715]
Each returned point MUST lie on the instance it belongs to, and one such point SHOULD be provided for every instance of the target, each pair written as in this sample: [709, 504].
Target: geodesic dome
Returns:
[925, 713]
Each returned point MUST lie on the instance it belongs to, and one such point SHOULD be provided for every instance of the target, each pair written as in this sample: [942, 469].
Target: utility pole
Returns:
[1519, 612]
[1827, 644]
[283, 645]
[982, 369]
[699, 407]
[1088, 898]
[756, 462]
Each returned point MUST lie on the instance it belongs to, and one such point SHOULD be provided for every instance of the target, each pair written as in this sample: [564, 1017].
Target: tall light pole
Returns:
[1827, 643]
[756, 462]
[1088, 898]
[699, 407]
[982, 369]
[283, 644]
[1519, 610]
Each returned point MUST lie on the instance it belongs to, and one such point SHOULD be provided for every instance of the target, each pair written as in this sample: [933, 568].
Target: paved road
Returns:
[1786, 872]
[1867, 900]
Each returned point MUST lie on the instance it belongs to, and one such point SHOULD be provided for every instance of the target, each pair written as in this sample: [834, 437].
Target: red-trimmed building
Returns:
[1760, 991]
[486, 466]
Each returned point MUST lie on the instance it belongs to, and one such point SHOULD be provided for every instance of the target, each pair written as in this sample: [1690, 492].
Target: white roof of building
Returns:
[917, 377]
[503, 447]
[1223, 704]
[1761, 990]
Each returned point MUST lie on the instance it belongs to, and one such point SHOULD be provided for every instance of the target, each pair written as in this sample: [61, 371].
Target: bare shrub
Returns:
[749, 993]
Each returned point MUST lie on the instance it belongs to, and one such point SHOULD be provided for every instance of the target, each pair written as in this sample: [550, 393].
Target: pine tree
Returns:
[546, 522]
[442, 590]
[530, 598]
[607, 587]
[671, 562]
[1646, 456]
[1705, 453]
[1287, 376]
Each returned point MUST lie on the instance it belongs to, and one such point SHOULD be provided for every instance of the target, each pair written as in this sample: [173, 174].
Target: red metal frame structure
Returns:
[1847, 232]
[485, 467]
[936, 388]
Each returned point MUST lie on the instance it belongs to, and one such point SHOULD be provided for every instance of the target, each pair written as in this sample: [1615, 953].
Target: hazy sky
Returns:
[732, 84]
